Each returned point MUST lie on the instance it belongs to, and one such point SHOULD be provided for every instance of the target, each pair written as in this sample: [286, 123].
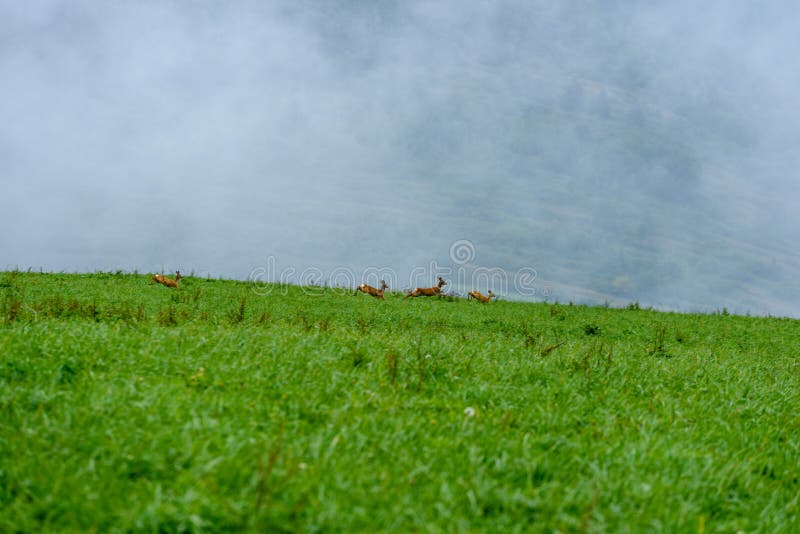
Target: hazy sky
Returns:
[623, 150]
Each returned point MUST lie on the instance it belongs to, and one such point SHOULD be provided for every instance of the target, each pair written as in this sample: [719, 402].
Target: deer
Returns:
[428, 291]
[369, 290]
[477, 295]
[169, 282]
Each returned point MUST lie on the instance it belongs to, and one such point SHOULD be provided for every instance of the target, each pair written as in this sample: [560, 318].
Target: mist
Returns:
[621, 151]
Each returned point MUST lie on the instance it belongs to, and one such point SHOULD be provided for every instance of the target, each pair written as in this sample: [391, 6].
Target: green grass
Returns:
[126, 406]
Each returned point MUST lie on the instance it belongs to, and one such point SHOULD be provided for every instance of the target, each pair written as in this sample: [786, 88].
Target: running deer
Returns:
[368, 289]
[428, 291]
[480, 297]
[169, 282]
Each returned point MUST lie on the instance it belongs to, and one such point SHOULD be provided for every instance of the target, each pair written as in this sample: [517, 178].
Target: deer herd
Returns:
[435, 291]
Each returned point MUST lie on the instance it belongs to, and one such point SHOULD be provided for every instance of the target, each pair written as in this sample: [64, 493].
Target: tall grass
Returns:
[126, 406]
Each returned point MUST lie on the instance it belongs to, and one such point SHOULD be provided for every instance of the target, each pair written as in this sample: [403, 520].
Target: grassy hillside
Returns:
[228, 406]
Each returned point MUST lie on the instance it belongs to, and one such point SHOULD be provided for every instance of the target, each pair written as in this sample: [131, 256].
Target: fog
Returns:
[612, 151]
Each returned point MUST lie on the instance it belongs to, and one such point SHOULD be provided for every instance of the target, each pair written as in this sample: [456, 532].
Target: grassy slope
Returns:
[130, 406]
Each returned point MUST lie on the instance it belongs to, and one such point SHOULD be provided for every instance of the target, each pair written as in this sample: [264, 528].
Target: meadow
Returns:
[228, 406]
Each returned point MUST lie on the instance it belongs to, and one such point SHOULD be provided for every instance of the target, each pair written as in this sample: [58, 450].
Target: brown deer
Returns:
[169, 282]
[428, 291]
[369, 290]
[480, 297]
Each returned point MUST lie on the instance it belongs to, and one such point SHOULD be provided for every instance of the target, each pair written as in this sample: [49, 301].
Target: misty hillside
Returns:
[613, 187]
[622, 152]
[610, 183]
